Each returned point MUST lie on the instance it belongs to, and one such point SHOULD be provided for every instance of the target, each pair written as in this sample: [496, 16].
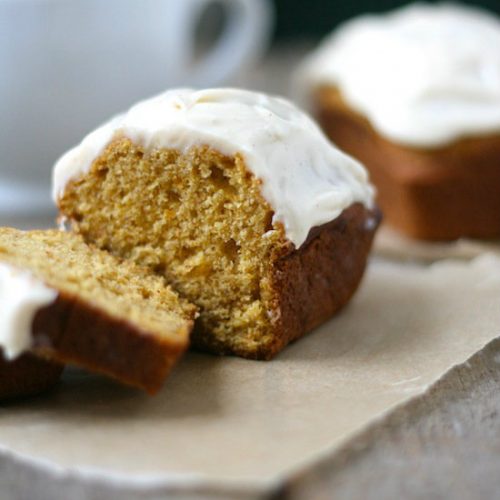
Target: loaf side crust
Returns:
[71, 331]
[311, 283]
[432, 194]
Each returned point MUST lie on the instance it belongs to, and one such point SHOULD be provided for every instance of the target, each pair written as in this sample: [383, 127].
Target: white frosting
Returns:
[21, 296]
[306, 180]
[423, 75]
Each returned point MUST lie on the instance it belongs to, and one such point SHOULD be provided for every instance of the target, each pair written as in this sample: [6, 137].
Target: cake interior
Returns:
[197, 218]
[121, 289]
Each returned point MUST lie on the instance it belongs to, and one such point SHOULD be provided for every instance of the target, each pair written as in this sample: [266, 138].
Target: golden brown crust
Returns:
[436, 194]
[71, 331]
[313, 282]
[26, 376]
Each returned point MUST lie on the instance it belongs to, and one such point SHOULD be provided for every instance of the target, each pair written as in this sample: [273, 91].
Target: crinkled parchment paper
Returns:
[237, 425]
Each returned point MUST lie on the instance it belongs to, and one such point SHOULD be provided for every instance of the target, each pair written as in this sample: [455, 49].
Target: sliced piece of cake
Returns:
[72, 303]
[238, 200]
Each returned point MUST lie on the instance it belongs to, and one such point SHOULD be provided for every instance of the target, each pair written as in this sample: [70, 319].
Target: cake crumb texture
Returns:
[197, 217]
[110, 316]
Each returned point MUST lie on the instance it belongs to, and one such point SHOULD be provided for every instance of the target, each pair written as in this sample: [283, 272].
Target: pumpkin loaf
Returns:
[238, 200]
[414, 95]
[69, 302]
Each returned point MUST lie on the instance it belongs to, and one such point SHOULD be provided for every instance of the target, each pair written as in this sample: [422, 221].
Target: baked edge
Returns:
[71, 331]
[337, 252]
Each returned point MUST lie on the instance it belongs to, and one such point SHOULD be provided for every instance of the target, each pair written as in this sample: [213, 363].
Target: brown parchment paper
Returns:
[237, 423]
[393, 245]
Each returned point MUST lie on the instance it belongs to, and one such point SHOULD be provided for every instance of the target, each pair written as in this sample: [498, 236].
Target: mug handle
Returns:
[244, 38]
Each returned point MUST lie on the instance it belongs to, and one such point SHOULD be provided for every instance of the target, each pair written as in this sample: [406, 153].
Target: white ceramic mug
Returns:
[67, 65]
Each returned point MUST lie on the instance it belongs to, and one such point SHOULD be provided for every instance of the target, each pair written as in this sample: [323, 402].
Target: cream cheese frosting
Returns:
[424, 75]
[305, 179]
[21, 296]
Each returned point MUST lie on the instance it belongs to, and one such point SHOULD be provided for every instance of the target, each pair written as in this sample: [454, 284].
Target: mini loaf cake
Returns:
[415, 95]
[235, 197]
[71, 303]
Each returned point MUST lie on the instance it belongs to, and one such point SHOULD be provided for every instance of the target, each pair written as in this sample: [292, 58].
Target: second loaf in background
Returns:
[415, 95]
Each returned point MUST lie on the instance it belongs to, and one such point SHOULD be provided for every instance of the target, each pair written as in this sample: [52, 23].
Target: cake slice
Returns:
[72, 303]
[238, 200]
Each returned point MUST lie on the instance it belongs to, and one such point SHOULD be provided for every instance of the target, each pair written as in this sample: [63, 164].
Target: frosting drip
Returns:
[305, 179]
[424, 75]
[21, 296]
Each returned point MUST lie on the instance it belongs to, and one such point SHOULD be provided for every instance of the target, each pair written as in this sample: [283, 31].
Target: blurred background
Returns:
[68, 65]
[301, 24]
[315, 18]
